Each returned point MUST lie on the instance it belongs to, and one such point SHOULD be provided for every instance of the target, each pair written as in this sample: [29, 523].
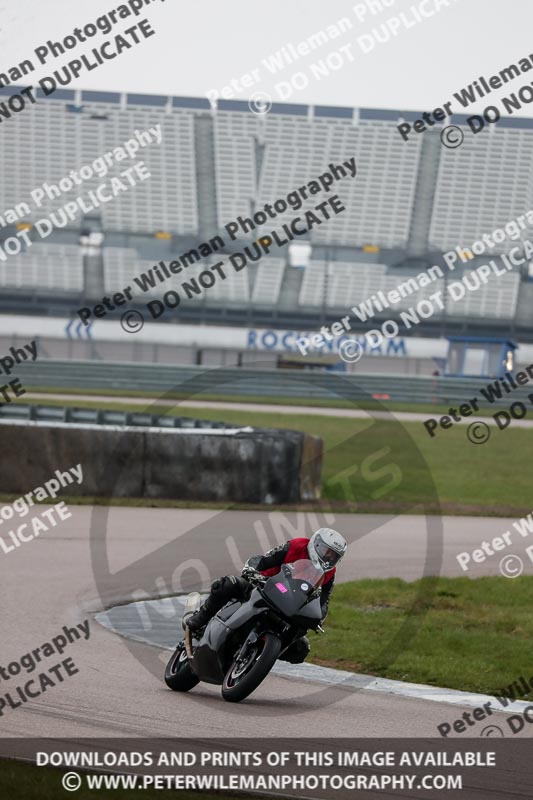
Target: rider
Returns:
[325, 549]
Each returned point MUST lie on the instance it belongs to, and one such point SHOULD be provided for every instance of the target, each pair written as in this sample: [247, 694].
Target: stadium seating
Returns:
[258, 161]
[495, 300]
[46, 267]
[121, 264]
[481, 187]
[337, 285]
[313, 284]
[214, 165]
[353, 280]
[235, 165]
[268, 282]
[52, 139]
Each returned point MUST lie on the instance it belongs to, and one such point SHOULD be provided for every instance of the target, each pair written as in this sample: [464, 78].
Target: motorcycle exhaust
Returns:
[188, 643]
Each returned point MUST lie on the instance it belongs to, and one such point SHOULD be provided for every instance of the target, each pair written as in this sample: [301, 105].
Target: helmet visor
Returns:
[327, 555]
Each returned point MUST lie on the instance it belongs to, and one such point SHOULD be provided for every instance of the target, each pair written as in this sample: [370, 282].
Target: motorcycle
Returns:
[241, 643]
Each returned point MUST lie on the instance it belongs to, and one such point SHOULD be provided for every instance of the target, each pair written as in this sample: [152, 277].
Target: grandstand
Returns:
[409, 203]
[45, 268]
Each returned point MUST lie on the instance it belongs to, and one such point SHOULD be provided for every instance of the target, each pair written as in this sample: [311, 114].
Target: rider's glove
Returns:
[249, 572]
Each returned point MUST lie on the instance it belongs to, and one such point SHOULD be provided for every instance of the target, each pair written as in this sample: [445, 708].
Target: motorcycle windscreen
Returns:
[304, 570]
[291, 588]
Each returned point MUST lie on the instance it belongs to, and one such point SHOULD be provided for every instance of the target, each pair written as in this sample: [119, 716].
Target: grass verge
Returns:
[473, 635]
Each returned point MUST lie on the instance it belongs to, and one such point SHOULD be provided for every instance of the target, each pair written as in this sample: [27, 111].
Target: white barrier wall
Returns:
[217, 339]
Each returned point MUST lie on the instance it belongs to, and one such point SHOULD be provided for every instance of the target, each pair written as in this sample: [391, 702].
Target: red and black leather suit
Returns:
[287, 553]
[232, 587]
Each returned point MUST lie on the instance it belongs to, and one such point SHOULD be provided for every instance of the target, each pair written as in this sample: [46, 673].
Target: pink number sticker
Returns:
[281, 587]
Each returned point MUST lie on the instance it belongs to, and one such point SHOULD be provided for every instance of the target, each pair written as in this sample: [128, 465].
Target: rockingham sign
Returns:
[287, 342]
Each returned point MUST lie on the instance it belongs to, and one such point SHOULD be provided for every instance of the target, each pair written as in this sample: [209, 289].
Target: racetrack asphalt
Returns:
[62, 578]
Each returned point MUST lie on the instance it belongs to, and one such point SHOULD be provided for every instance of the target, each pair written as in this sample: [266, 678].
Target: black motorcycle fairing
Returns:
[303, 616]
[287, 606]
[294, 596]
[228, 610]
[207, 656]
[214, 652]
[254, 605]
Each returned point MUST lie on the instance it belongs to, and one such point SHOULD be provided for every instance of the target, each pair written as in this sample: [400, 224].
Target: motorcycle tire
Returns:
[178, 673]
[241, 681]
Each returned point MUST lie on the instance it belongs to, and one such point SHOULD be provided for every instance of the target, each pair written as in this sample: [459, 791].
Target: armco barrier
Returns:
[247, 466]
[102, 416]
[296, 384]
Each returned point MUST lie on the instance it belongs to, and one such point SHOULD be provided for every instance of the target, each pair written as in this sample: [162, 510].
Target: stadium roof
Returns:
[291, 109]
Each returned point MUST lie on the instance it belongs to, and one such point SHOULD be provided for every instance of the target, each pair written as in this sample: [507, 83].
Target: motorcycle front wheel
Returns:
[243, 678]
[178, 673]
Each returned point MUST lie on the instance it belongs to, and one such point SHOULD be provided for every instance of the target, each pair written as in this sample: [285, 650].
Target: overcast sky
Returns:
[204, 45]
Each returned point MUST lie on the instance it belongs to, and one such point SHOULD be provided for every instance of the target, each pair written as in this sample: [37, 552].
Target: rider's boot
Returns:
[199, 619]
[222, 590]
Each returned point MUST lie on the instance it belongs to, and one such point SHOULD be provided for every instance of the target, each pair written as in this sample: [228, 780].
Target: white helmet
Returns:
[326, 548]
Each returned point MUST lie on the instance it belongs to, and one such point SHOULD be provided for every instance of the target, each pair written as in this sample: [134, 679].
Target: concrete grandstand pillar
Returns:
[426, 184]
[289, 292]
[93, 276]
[204, 145]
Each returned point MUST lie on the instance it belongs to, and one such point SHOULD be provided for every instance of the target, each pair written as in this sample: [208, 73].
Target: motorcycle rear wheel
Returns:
[241, 680]
[178, 673]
